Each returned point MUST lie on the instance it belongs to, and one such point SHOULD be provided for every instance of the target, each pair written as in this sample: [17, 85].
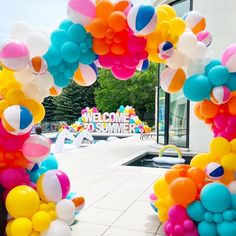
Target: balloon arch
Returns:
[195, 199]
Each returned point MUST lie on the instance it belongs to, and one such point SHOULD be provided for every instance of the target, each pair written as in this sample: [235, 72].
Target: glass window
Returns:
[161, 116]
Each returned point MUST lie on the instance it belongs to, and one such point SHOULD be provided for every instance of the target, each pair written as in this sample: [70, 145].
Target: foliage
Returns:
[50, 109]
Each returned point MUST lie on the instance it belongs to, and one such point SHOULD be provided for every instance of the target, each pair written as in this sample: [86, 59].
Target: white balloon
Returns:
[57, 228]
[177, 60]
[44, 81]
[199, 51]
[187, 42]
[232, 187]
[37, 44]
[69, 221]
[20, 30]
[30, 90]
[65, 209]
[24, 76]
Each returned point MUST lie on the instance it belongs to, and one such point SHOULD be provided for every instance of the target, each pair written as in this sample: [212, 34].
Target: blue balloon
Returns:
[121, 108]
[218, 75]
[229, 215]
[74, 66]
[34, 176]
[65, 25]
[77, 33]
[88, 57]
[62, 67]
[196, 211]
[70, 52]
[234, 202]
[231, 83]
[217, 218]
[53, 70]
[197, 88]
[90, 43]
[83, 47]
[53, 56]
[208, 216]
[212, 64]
[50, 162]
[61, 81]
[59, 37]
[207, 229]
[227, 228]
[216, 197]
[68, 73]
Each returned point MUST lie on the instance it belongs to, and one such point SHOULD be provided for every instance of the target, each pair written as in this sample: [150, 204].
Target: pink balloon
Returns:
[136, 44]
[106, 61]
[177, 214]
[220, 121]
[11, 178]
[123, 73]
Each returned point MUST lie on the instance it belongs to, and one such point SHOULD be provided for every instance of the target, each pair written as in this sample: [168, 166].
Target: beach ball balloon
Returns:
[53, 186]
[14, 55]
[172, 80]
[142, 19]
[166, 50]
[195, 21]
[36, 148]
[55, 91]
[220, 94]
[81, 11]
[153, 198]
[228, 58]
[38, 65]
[214, 170]
[204, 37]
[86, 75]
[143, 65]
[78, 201]
[17, 120]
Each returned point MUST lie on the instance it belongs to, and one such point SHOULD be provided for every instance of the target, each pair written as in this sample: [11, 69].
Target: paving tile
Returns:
[88, 229]
[125, 232]
[141, 207]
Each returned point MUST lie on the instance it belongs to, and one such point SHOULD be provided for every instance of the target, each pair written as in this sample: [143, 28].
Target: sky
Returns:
[40, 14]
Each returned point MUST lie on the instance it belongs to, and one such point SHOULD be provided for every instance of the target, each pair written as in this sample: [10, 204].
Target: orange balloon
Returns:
[208, 109]
[117, 21]
[118, 49]
[197, 175]
[183, 191]
[171, 175]
[197, 111]
[98, 28]
[104, 9]
[100, 47]
[232, 105]
[227, 177]
[122, 5]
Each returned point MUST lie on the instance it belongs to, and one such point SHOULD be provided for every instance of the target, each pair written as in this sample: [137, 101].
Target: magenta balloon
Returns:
[11, 178]
[129, 61]
[221, 121]
[177, 214]
[136, 44]
[123, 73]
[106, 61]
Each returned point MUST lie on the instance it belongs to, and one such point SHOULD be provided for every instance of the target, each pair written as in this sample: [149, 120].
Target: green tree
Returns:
[50, 109]
[72, 100]
[138, 92]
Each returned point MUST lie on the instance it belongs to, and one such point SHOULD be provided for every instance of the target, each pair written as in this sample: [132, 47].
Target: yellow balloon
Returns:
[53, 215]
[22, 201]
[4, 104]
[51, 205]
[164, 26]
[21, 226]
[177, 26]
[200, 161]
[15, 96]
[228, 161]
[233, 145]
[8, 228]
[162, 15]
[161, 188]
[41, 221]
[34, 233]
[219, 146]
[163, 215]
[170, 11]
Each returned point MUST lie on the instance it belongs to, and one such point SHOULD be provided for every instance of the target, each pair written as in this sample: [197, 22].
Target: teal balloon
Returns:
[59, 37]
[83, 47]
[50, 162]
[121, 108]
[218, 75]
[218, 217]
[53, 56]
[42, 170]
[65, 25]
[74, 66]
[234, 202]
[227, 228]
[196, 211]
[77, 33]
[229, 215]
[53, 70]
[61, 81]
[68, 73]
[90, 43]
[197, 88]
[212, 64]
[208, 216]
[70, 52]
[207, 229]
[34, 176]
[231, 83]
[216, 197]
[88, 57]
[62, 67]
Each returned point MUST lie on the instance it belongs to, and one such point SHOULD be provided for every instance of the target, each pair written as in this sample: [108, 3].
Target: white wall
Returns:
[221, 22]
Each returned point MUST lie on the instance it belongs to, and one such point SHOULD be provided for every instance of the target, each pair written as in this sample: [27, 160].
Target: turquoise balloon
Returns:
[70, 52]
[212, 64]
[197, 88]
[77, 33]
[50, 162]
[83, 47]
[53, 70]
[65, 25]
[62, 67]
[68, 73]
[74, 66]
[196, 211]
[42, 170]
[218, 75]
[59, 37]
[234, 202]
[34, 175]
[218, 217]
[229, 215]
[61, 81]
[53, 56]
[208, 216]
[216, 197]
[88, 57]
[207, 229]
[231, 83]
[227, 228]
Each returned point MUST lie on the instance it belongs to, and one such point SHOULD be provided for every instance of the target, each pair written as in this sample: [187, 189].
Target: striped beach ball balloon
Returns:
[195, 21]
[153, 198]
[166, 50]
[204, 37]
[53, 186]
[172, 80]
[38, 65]
[142, 19]
[14, 55]
[78, 201]
[55, 91]
[36, 148]
[81, 11]
[214, 170]
[17, 120]
[220, 94]
[86, 75]
[143, 65]
[228, 58]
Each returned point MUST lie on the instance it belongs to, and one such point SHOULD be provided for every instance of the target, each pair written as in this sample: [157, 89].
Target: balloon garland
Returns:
[121, 37]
